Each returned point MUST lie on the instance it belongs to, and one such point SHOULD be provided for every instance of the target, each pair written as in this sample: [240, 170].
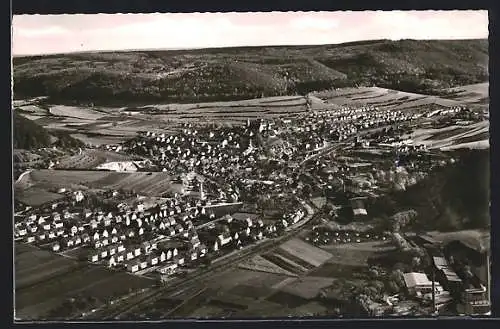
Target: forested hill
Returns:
[237, 73]
[454, 197]
[29, 135]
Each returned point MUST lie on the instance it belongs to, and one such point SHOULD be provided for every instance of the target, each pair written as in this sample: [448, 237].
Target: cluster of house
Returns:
[447, 287]
[241, 228]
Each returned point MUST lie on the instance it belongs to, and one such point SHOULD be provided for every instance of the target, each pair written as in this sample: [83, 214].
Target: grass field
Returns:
[89, 159]
[75, 112]
[236, 277]
[35, 196]
[355, 254]
[151, 184]
[307, 287]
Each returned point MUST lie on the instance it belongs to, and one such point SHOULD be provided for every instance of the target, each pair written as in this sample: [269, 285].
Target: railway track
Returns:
[127, 307]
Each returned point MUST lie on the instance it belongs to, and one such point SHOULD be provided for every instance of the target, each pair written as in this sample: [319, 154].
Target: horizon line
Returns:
[231, 47]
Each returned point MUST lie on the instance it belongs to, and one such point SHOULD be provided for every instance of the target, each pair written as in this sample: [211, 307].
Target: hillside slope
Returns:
[238, 73]
[28, 135]
[451, 198]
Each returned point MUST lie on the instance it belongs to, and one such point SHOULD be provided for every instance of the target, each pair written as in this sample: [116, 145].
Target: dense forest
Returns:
[28, 135]
[241, 73]
[451, 198]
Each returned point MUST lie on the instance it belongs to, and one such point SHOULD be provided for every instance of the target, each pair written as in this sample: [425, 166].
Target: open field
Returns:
[35, 196]
[233, 278]
[355, 254]
[307, 287]
[89, 159]
[44, 280]
[470, 94]
[383, 98]
[453, 137]
[33, 265]
[97, 139]
[151, 184]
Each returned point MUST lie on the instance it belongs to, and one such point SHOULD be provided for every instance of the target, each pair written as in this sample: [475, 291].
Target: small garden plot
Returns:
[285, 263]
[259, 263]
[308, 287]
[80, 161]
[75, 112]
[293, 258]
[308, 253]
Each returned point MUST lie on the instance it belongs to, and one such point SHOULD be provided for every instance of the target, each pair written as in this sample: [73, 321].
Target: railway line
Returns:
[121, 310]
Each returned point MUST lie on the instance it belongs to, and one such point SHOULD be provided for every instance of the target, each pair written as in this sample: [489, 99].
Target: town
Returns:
[239, 186]
[254, 165]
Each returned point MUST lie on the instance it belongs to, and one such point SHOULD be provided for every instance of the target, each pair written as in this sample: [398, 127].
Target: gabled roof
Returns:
[416, 279]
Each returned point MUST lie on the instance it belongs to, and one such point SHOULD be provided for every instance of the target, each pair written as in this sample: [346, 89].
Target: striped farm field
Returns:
[285, 263]
[306, 252]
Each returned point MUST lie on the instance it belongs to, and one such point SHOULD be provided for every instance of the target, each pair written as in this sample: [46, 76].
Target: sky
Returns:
[46, 34]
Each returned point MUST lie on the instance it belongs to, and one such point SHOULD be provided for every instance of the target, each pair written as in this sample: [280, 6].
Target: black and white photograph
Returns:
[251, 165]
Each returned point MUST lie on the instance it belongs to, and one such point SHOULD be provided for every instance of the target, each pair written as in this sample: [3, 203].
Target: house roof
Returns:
[414, 279]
